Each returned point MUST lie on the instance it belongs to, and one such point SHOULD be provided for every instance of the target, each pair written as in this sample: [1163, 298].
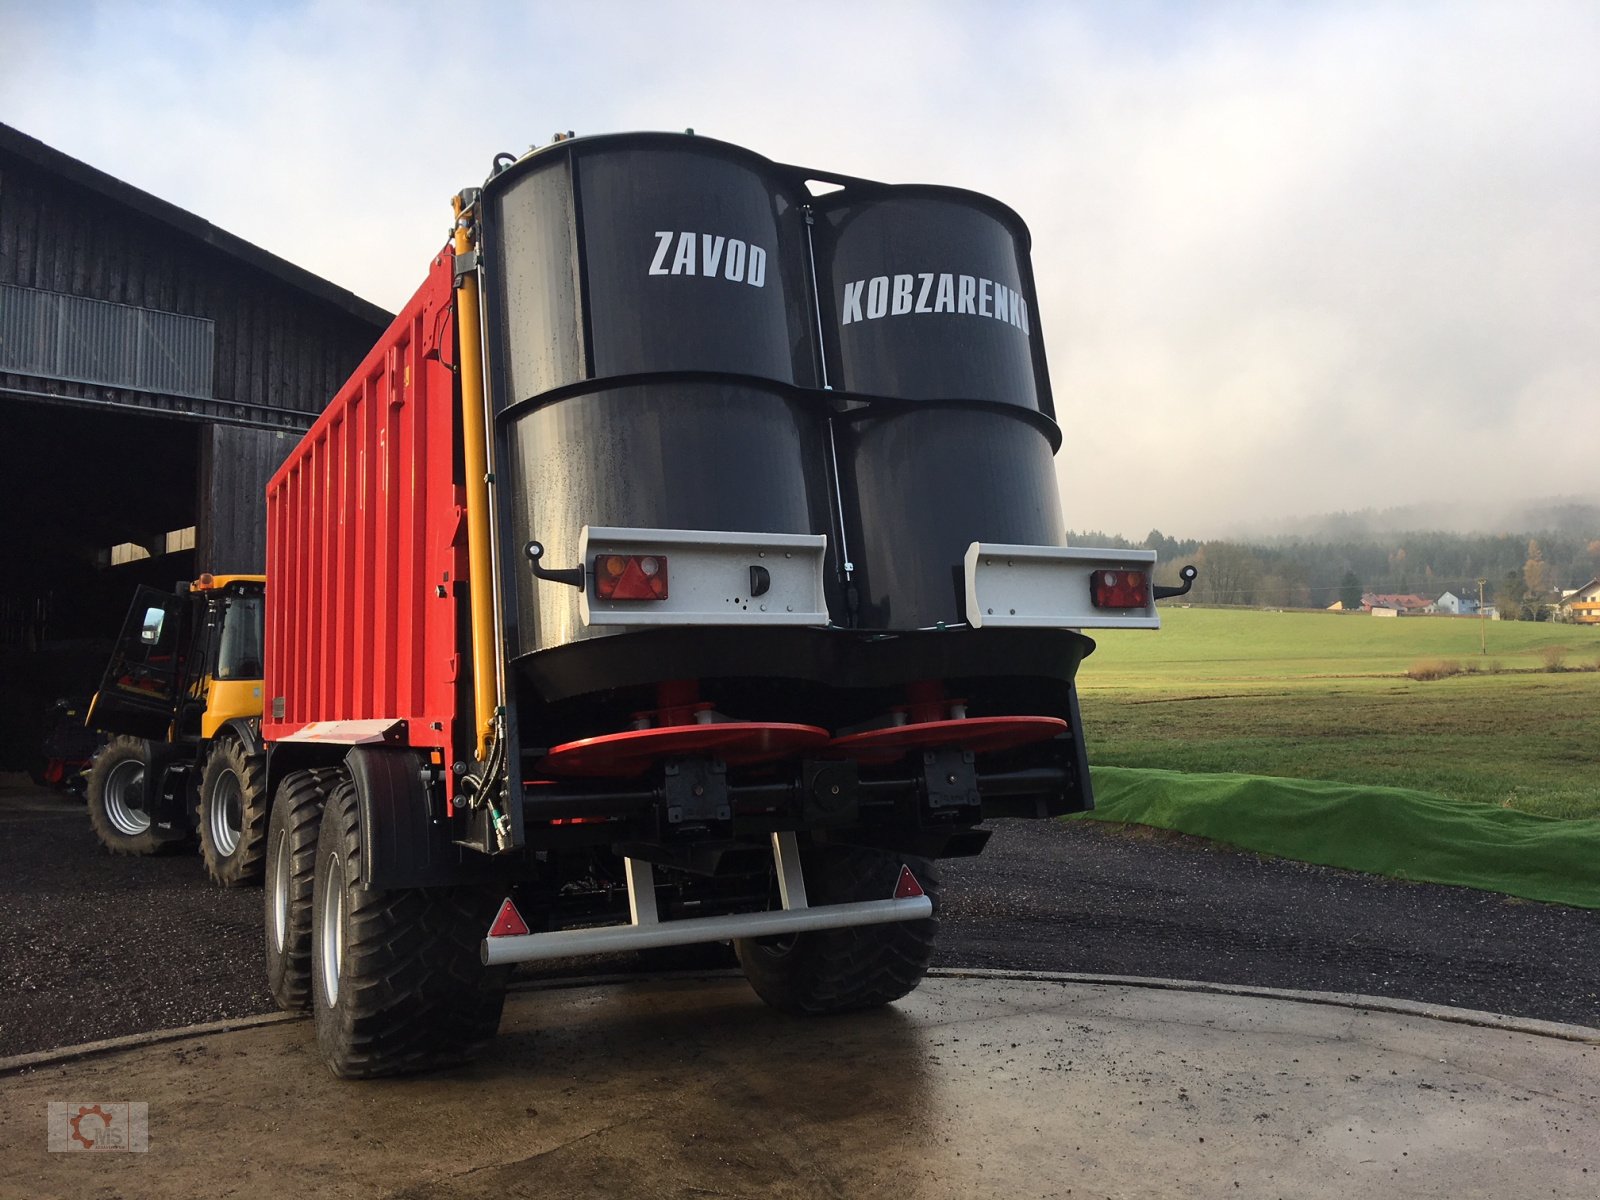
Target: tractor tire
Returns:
[397, 985]
[291, 862]
[116, 800]
[232, 820]
[844, 970]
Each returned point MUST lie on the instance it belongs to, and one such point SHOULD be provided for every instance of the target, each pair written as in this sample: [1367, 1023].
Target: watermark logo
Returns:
[99, 1125]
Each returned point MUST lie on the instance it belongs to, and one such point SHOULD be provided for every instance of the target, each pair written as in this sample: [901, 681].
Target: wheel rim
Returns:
[330, 936]
[124, 797]
[280, 893]
[227, 813]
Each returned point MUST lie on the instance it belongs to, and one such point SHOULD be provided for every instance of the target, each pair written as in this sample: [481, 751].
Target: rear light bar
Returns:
[1059, 587]
[717, 577]
[1120, 589]
[630, 576]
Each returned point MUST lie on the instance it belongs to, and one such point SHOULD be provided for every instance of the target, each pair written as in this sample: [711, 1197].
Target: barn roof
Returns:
[32, 150]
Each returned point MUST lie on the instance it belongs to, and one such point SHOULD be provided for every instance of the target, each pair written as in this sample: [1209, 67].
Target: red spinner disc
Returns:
[982, 735]
[635, 751]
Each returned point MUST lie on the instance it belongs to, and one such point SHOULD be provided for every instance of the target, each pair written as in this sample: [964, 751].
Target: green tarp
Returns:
[1388, 831]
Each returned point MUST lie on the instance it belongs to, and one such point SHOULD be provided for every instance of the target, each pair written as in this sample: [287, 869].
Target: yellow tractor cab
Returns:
[182, 699]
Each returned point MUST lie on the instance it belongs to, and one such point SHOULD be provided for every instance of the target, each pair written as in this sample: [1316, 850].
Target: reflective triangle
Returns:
[904, 890]
[508, 922]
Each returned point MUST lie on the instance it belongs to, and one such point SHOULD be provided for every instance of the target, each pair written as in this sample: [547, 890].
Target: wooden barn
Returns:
[154, 370]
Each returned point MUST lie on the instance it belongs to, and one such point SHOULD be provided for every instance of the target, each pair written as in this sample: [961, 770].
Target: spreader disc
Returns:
[981, 735]
[738, 743]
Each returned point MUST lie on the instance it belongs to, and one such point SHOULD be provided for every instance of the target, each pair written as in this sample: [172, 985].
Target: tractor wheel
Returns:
[116, 799]
[233, 814]
[396, 982]
[842, 970]
[291, 862]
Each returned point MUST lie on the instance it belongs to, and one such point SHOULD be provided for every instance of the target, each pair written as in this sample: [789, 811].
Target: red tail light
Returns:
[630, 576]
[1120, 589]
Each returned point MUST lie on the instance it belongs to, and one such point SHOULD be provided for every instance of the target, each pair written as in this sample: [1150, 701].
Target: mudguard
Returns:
[248, 731]
[402, 845]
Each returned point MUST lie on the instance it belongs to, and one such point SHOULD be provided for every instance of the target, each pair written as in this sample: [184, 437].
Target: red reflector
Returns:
[508, 922]
[630, 576]
[1120, 589]
[904, 890]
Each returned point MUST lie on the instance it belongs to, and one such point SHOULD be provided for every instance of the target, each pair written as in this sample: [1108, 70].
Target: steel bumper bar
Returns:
[566, 943]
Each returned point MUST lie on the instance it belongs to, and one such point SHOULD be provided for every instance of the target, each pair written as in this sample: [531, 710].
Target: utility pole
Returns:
[1483, 630]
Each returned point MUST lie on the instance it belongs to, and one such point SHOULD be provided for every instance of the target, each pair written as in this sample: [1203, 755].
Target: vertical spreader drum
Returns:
[929, 327]
[651, 351]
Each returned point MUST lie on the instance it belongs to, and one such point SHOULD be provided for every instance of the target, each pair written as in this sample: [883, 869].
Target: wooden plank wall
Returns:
[275, 344]
[235, 464]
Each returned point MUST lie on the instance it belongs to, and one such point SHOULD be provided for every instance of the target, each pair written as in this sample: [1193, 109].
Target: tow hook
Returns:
[571, 576]
[1161, 593]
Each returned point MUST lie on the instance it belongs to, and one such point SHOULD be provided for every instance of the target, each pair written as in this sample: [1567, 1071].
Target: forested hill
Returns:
[1313, 572]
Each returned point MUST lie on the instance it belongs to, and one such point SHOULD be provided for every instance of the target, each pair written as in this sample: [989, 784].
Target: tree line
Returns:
[1521, 570]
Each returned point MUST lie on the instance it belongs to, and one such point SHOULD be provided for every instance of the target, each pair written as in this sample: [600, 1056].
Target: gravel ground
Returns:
[93, 946]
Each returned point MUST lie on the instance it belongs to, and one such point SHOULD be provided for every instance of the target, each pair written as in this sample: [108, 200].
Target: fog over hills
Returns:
[1571, 515]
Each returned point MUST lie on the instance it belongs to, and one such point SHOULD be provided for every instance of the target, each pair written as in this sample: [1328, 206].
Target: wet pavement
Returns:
[690, 1087]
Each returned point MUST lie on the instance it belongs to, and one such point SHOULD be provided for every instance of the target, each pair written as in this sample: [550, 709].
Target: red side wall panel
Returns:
[366, 542]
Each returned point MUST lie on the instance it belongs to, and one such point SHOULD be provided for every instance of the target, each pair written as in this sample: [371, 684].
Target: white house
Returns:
[1583, 604]
[1460, 606]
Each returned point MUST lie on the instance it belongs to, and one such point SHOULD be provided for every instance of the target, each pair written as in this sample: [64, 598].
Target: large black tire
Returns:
[290, 864]
[843, 970]
[232, 820]
[396, 982]
[116, 800]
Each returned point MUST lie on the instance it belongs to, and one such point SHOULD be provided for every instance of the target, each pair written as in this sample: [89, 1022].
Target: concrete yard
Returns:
[976, 1085]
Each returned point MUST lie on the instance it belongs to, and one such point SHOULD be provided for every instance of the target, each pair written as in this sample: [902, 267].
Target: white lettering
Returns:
[902, 295]
[852, 301]
[663, 240]
[683, 261]
[710, 254]
[877, 297]
[969, 289]
[897, 295]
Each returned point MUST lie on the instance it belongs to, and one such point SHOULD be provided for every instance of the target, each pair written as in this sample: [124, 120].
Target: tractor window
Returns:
[239, 653]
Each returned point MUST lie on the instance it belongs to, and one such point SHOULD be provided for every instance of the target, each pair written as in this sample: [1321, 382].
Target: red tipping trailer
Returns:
[685, 564]
[366, 551]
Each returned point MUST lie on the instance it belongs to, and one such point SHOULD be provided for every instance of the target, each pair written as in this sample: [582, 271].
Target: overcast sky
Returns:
[1291, 259]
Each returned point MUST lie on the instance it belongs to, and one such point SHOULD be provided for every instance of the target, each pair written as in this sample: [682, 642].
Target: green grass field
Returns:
[1326, 696]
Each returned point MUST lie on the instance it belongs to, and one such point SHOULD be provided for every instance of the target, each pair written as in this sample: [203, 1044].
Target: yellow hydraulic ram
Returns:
[474, 438]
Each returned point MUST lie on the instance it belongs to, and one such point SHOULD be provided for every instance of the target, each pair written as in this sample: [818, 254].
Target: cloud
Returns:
[1291, 258]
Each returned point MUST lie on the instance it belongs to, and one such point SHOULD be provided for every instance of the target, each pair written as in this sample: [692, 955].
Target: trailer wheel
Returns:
[842, 970]
[291, 862]
[116, 799]
[233, 814]
[396, 982]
